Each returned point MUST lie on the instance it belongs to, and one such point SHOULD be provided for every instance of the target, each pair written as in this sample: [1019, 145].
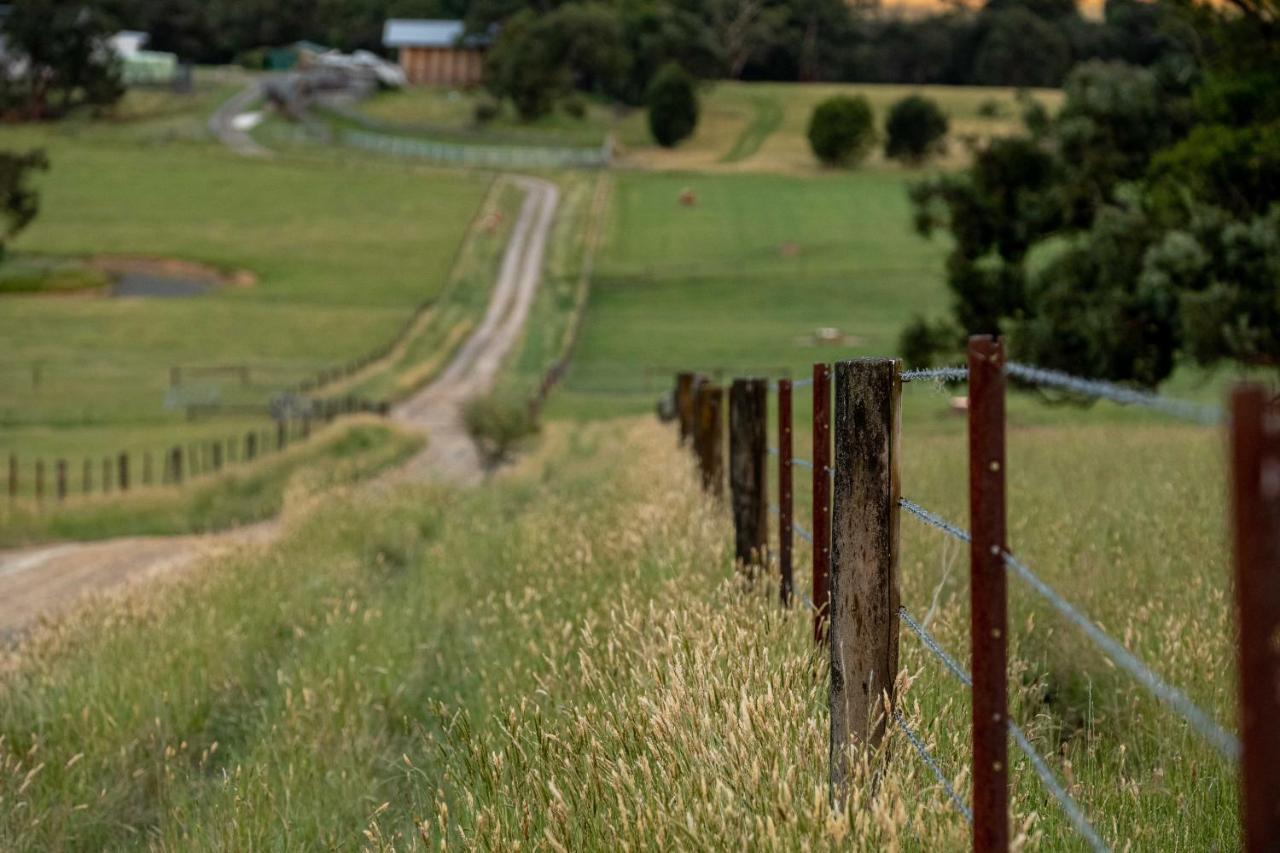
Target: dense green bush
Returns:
[673, 105]
[916, 129]
[485, 110]
[498, 424]
[842, 130]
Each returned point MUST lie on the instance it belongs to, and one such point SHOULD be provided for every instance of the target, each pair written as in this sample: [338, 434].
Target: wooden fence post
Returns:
[13, 476]
[250, 446]
[988, 628]
[124, 472]
[748, 475]
[176, 465]
[864, 555]
[1255, 467]
[107, 479]
[821, 499]
[786, 502]
[39, 480]
[62, 480]
[684, 405]
[709, 437]
[216, 449]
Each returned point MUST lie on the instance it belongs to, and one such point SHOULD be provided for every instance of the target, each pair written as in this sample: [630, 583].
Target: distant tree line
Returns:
[1137, 229]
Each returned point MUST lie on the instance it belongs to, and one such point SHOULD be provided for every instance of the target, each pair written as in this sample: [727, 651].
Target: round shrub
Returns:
[673, 105]
[916, 129]
[842, 130]
[485, 110]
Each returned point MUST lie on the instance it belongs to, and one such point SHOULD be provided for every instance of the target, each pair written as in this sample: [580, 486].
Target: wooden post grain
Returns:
[786, 501]
[709, 437]
[988, 629]
[821, 499]
[1255, 467]
[864, 556]
[748, 474]
[684, 405]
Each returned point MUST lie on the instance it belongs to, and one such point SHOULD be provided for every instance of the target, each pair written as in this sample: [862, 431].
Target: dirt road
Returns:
[44, 579]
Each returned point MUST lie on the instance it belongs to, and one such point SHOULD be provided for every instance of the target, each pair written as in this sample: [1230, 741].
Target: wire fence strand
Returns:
[932, 645]
[936, 521]
[1225, 742]
[929, 760]
[1196, 412]
[941, 375]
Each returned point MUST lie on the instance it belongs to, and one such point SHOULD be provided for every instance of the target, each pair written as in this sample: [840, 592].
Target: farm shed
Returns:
[437, 53]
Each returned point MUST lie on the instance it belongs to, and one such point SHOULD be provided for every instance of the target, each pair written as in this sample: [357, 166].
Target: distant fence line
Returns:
[855, 602]
[490, 156]
[56, 480]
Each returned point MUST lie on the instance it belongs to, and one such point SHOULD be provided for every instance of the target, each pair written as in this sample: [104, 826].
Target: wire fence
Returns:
[876, 491]
[485, 156]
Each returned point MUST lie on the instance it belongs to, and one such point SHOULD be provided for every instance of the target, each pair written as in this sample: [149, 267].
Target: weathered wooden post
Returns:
[988, 629]
[785, 497]
[250, 445]
[124, 471]
[86, 477]
[215, 448]
[107, 479]
[684, 405]
[39, 480]
[146, 468]
[1255, 474]
[748, 475]
[13, 476]
[175, 466]
[821, 499]
[864, 556]
[709, 438]
[62, 480]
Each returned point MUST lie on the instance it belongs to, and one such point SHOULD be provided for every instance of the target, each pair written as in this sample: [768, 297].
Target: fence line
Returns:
[932, 763]
[865, 577]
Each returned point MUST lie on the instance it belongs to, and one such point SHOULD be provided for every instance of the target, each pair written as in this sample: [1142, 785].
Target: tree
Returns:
[1019, 48]
[58, 59]
[19, 203]
[673, 105]
[842, 130]
[916, 129]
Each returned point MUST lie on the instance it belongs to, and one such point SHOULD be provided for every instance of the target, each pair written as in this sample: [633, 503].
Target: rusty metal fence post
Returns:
[821, 498]
[786, 502]
[748, 474]
[988, 629]
[1255, 469]
[864, 556]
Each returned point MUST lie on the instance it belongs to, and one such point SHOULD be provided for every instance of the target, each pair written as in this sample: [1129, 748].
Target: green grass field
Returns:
[562, 659]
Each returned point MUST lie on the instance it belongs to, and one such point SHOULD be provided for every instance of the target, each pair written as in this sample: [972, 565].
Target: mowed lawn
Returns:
[341, 250]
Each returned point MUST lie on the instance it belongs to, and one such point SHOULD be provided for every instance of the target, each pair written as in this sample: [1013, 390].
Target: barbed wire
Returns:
[932, 645]
[1069, 805]
[928, 759]
[936, 374]
[1222, 740]
[1050, 781]
[934, 520]
[1196, 412]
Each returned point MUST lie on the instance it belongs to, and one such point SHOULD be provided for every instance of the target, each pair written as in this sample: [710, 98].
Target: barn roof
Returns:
[403, 32]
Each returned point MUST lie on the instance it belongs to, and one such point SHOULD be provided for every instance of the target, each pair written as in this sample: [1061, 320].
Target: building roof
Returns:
[401, 32]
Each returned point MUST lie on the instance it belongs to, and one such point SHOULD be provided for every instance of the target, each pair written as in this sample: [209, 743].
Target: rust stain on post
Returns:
[1255, 467]
[748, 475]
[864, 555]
[988, 631]
[821, 499]
[786, 502]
